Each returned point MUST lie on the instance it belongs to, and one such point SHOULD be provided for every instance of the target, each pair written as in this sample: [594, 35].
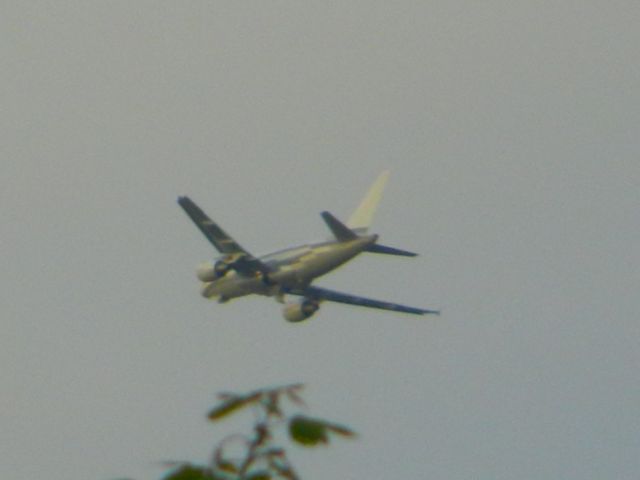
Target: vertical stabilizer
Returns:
[363, 215]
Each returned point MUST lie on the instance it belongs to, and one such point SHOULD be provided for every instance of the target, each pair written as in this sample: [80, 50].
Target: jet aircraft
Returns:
[290, 272]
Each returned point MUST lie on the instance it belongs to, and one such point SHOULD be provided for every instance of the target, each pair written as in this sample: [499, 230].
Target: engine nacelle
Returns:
[298, 311]
[206, 272]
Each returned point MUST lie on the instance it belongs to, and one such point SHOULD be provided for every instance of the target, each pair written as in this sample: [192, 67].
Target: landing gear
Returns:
[264, 277]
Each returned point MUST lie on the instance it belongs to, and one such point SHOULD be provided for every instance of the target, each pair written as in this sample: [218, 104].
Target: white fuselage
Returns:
[291, 268]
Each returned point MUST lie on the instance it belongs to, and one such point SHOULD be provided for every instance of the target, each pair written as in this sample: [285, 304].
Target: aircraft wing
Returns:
[218, 237]
[320, 294]
[244, 263]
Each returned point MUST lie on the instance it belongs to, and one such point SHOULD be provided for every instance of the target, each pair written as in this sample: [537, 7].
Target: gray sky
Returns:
[511, 130]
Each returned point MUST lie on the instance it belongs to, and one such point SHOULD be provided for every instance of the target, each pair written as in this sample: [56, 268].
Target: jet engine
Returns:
[207, 272]
[298, 311]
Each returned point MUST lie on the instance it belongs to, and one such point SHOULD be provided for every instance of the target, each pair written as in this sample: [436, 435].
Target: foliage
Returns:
[262, 458]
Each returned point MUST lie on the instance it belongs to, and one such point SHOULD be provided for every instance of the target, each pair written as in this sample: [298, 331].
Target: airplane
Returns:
[290, 272]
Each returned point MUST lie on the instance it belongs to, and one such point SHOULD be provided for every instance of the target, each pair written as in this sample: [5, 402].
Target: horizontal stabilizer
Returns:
[375, 248]
[339, 229]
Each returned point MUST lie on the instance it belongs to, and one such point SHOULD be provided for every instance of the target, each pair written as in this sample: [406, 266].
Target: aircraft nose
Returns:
[208, 290]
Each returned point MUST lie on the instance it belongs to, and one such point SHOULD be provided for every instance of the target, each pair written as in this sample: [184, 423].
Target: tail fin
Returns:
[361, 218]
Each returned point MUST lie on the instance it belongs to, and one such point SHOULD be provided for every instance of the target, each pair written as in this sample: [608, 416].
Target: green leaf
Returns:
[307, 431]
[227, 467]
[189, 472]
[259, 475]
[222, 463]
[230, 405]
[340, 430]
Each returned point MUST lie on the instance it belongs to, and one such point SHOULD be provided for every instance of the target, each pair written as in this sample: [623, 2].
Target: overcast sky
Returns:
[511, 130]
